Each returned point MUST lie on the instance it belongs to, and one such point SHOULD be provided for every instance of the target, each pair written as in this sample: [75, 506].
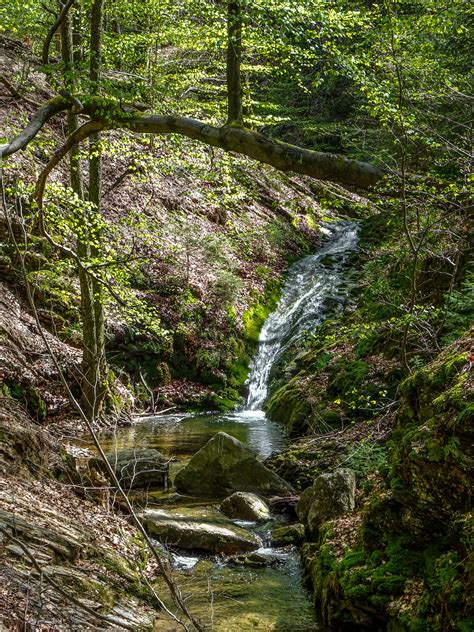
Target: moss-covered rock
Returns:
[225, 465]
[331, 494]
[196, 531]
[245, 506]
[406, 565]
[287, 534]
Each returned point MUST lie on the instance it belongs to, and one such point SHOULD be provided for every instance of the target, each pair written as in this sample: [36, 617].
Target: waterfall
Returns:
[310, 283]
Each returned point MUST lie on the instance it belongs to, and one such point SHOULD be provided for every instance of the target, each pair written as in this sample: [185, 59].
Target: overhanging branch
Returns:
[57, 23]
[282, 156]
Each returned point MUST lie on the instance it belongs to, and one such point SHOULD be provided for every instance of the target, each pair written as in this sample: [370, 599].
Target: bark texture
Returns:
[234, 61]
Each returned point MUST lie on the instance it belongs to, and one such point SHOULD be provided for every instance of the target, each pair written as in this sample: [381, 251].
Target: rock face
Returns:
[136, 467]
[225, 465]
[245, 506]
[190, 531]
[330, 496]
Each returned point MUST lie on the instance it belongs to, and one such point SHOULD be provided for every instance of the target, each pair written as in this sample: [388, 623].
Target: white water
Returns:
[303, 305]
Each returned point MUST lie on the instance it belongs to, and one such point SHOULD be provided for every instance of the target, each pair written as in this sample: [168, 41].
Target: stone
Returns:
[254, 560]
[287, 534]
[331, 495]
[245, 506]
[199, 531]
[225, 465]
[143, 467]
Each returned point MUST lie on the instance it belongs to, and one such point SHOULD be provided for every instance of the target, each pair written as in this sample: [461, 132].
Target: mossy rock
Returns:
[136, 467]
[287, 534]
[225, 465]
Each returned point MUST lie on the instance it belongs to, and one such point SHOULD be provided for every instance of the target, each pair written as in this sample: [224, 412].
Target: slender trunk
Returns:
[234, 61]
[94, 363]
[77, 51]
[94, 367]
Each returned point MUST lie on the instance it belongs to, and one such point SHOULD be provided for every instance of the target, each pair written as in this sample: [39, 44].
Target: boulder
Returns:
[287, 534]
[330, 496]
[188, 531]
[144, 467]
[245, 506]
[225, 465]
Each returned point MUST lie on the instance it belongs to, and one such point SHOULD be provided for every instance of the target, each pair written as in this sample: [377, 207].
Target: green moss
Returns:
[243, 347]
[163, 374]
[30, 397]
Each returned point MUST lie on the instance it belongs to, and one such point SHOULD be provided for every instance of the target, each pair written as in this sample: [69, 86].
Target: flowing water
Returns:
[311, 283]
[242, 598]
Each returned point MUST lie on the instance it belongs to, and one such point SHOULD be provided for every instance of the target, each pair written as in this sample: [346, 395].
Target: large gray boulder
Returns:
[136, 467]
[245, 506]
[331, 495]
[195, 531]
[225, 465]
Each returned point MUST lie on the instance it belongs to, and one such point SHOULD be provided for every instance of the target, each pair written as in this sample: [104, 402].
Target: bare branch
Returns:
[57, 23]
[80, 134]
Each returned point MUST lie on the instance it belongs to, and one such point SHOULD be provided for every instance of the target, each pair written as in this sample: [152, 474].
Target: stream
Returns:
[230, 598]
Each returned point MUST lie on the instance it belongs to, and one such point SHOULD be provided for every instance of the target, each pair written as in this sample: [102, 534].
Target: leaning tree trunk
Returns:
[234, 61]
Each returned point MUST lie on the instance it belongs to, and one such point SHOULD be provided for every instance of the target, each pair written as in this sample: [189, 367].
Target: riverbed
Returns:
[229, 598]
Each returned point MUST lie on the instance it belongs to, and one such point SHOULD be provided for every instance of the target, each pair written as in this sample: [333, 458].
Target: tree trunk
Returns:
[234, 60]
[94, 363]
[94, 366]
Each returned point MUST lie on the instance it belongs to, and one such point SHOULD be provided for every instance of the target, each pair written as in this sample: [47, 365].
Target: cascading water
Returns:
[303, 304]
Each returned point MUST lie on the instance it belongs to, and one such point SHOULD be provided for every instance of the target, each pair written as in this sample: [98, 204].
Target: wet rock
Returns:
[136, 467]
[330, 496]
[254, 560]
[245, 506]
[288, 534]
[225, 465]
[192, 531]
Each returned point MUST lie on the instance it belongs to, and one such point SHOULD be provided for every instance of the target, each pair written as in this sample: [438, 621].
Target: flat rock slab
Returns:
[225, 465]
[198, 530]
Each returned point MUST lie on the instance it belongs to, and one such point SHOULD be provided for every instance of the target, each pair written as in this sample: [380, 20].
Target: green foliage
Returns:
[459, 310]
